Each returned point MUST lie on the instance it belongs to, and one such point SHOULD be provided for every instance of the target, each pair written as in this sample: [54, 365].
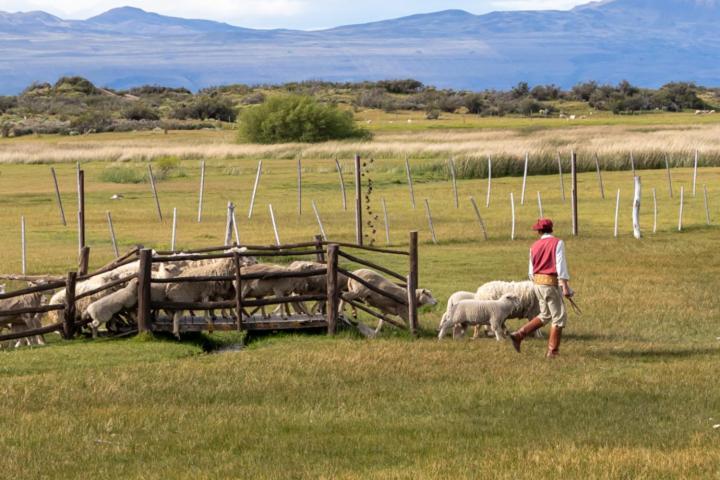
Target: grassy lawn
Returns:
[634, 394]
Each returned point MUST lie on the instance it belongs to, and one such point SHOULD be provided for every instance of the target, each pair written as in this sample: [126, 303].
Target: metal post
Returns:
[202, 191]
[154, 192]
[112, 234]
[81, 209]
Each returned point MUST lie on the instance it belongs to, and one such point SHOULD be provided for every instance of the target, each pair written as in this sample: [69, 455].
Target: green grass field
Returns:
[632, 396]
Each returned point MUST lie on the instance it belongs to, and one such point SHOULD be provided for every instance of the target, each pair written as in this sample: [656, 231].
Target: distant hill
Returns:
[649, 42]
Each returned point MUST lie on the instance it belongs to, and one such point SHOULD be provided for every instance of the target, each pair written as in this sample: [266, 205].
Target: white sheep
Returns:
[480, 312]
[358, 291]
[452, 301]
[105, 308]
[23, 322]
[260, 288]
[527, 306]
[201, 292]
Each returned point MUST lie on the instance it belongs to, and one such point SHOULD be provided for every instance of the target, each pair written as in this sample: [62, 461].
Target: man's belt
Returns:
[541, 279]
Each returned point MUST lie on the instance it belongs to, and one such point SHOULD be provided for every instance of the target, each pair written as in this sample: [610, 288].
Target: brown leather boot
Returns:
[554, 342]
[518, 336]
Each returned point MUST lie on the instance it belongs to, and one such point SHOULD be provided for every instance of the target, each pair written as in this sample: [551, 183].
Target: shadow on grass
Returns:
[664, 353]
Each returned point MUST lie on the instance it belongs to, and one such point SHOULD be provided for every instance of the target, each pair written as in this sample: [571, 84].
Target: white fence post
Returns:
[512, 213]
[524, 184]
[636, 208]
[255, 188]
[617, 213]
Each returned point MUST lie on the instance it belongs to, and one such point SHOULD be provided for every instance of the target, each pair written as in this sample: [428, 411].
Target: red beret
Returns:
[543, 225]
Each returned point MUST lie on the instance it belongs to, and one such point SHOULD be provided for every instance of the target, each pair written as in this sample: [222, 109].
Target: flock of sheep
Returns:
[490, 306]
[117, 306]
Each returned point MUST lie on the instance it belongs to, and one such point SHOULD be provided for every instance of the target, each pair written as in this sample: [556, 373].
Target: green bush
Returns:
[207, 107]
[298, 118]
[140, 111]
[92, 121]
[122, 175]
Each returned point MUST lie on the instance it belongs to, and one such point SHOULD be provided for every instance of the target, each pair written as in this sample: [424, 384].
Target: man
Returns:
[549, 273]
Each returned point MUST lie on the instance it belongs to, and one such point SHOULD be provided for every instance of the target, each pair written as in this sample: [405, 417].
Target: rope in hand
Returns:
[574, 306]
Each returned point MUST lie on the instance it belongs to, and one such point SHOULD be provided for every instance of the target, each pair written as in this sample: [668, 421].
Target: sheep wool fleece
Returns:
[552, 307]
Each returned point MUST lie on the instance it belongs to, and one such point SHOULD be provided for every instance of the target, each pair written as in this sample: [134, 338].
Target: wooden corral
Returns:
[155, 316]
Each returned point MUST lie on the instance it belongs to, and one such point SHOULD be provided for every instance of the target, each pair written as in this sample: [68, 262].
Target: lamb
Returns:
[452, 301]
[23, 322]
[201, 292]
[480, 312]
[102, 310]
[527, 307]
[358, 291]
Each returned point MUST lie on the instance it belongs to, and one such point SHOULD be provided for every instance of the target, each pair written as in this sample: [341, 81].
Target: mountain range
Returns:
[649, 42]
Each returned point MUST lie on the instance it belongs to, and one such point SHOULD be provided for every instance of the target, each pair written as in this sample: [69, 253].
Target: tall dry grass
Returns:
[612, 144]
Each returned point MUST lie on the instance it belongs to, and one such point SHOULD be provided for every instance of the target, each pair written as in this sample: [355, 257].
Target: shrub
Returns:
[78, 85]
[401, 86]
[207, 107]
[91, 121]
[6, 103]
[140, 111]
[432, 114]
[297, 118]
[122, 175]
[168, 167]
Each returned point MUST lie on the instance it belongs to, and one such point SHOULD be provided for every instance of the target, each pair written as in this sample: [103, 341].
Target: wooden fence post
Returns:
[540, 208]
[23, 246]
[173, 237]
[655, 211]
[707, 205]
[489, 188]
[599, 175]
[236, 229]
[413, 282]
[154, 192]
[112, 234]
[229, 223]
[410, 182]
[512, 215]
[617, 213]
[144, 311]
[574, 194]
[238, 292]
[333, 293]
[299, 186]
[202, 191]
[524, 184]
[255, 188]
[387, 221]
[274, 225]
[358, 202]
[69, 313]
[560, 173]
[81, 209]
[479, 218]
[695, 171]
[319, 220]
[320, 256]
[342, 184]
[636, 209]
[453, 174]
[669, 175]
[58, 197]
[84, 261]
[682, 205]
[430, 221]
[632, 163]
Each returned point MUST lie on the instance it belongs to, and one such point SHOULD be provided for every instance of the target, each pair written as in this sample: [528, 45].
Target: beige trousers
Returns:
[552, 307]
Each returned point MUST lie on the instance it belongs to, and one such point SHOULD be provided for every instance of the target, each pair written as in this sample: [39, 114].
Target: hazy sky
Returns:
[299, 14]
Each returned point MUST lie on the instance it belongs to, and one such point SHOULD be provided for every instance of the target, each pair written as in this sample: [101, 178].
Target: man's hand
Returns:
[567, 291]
